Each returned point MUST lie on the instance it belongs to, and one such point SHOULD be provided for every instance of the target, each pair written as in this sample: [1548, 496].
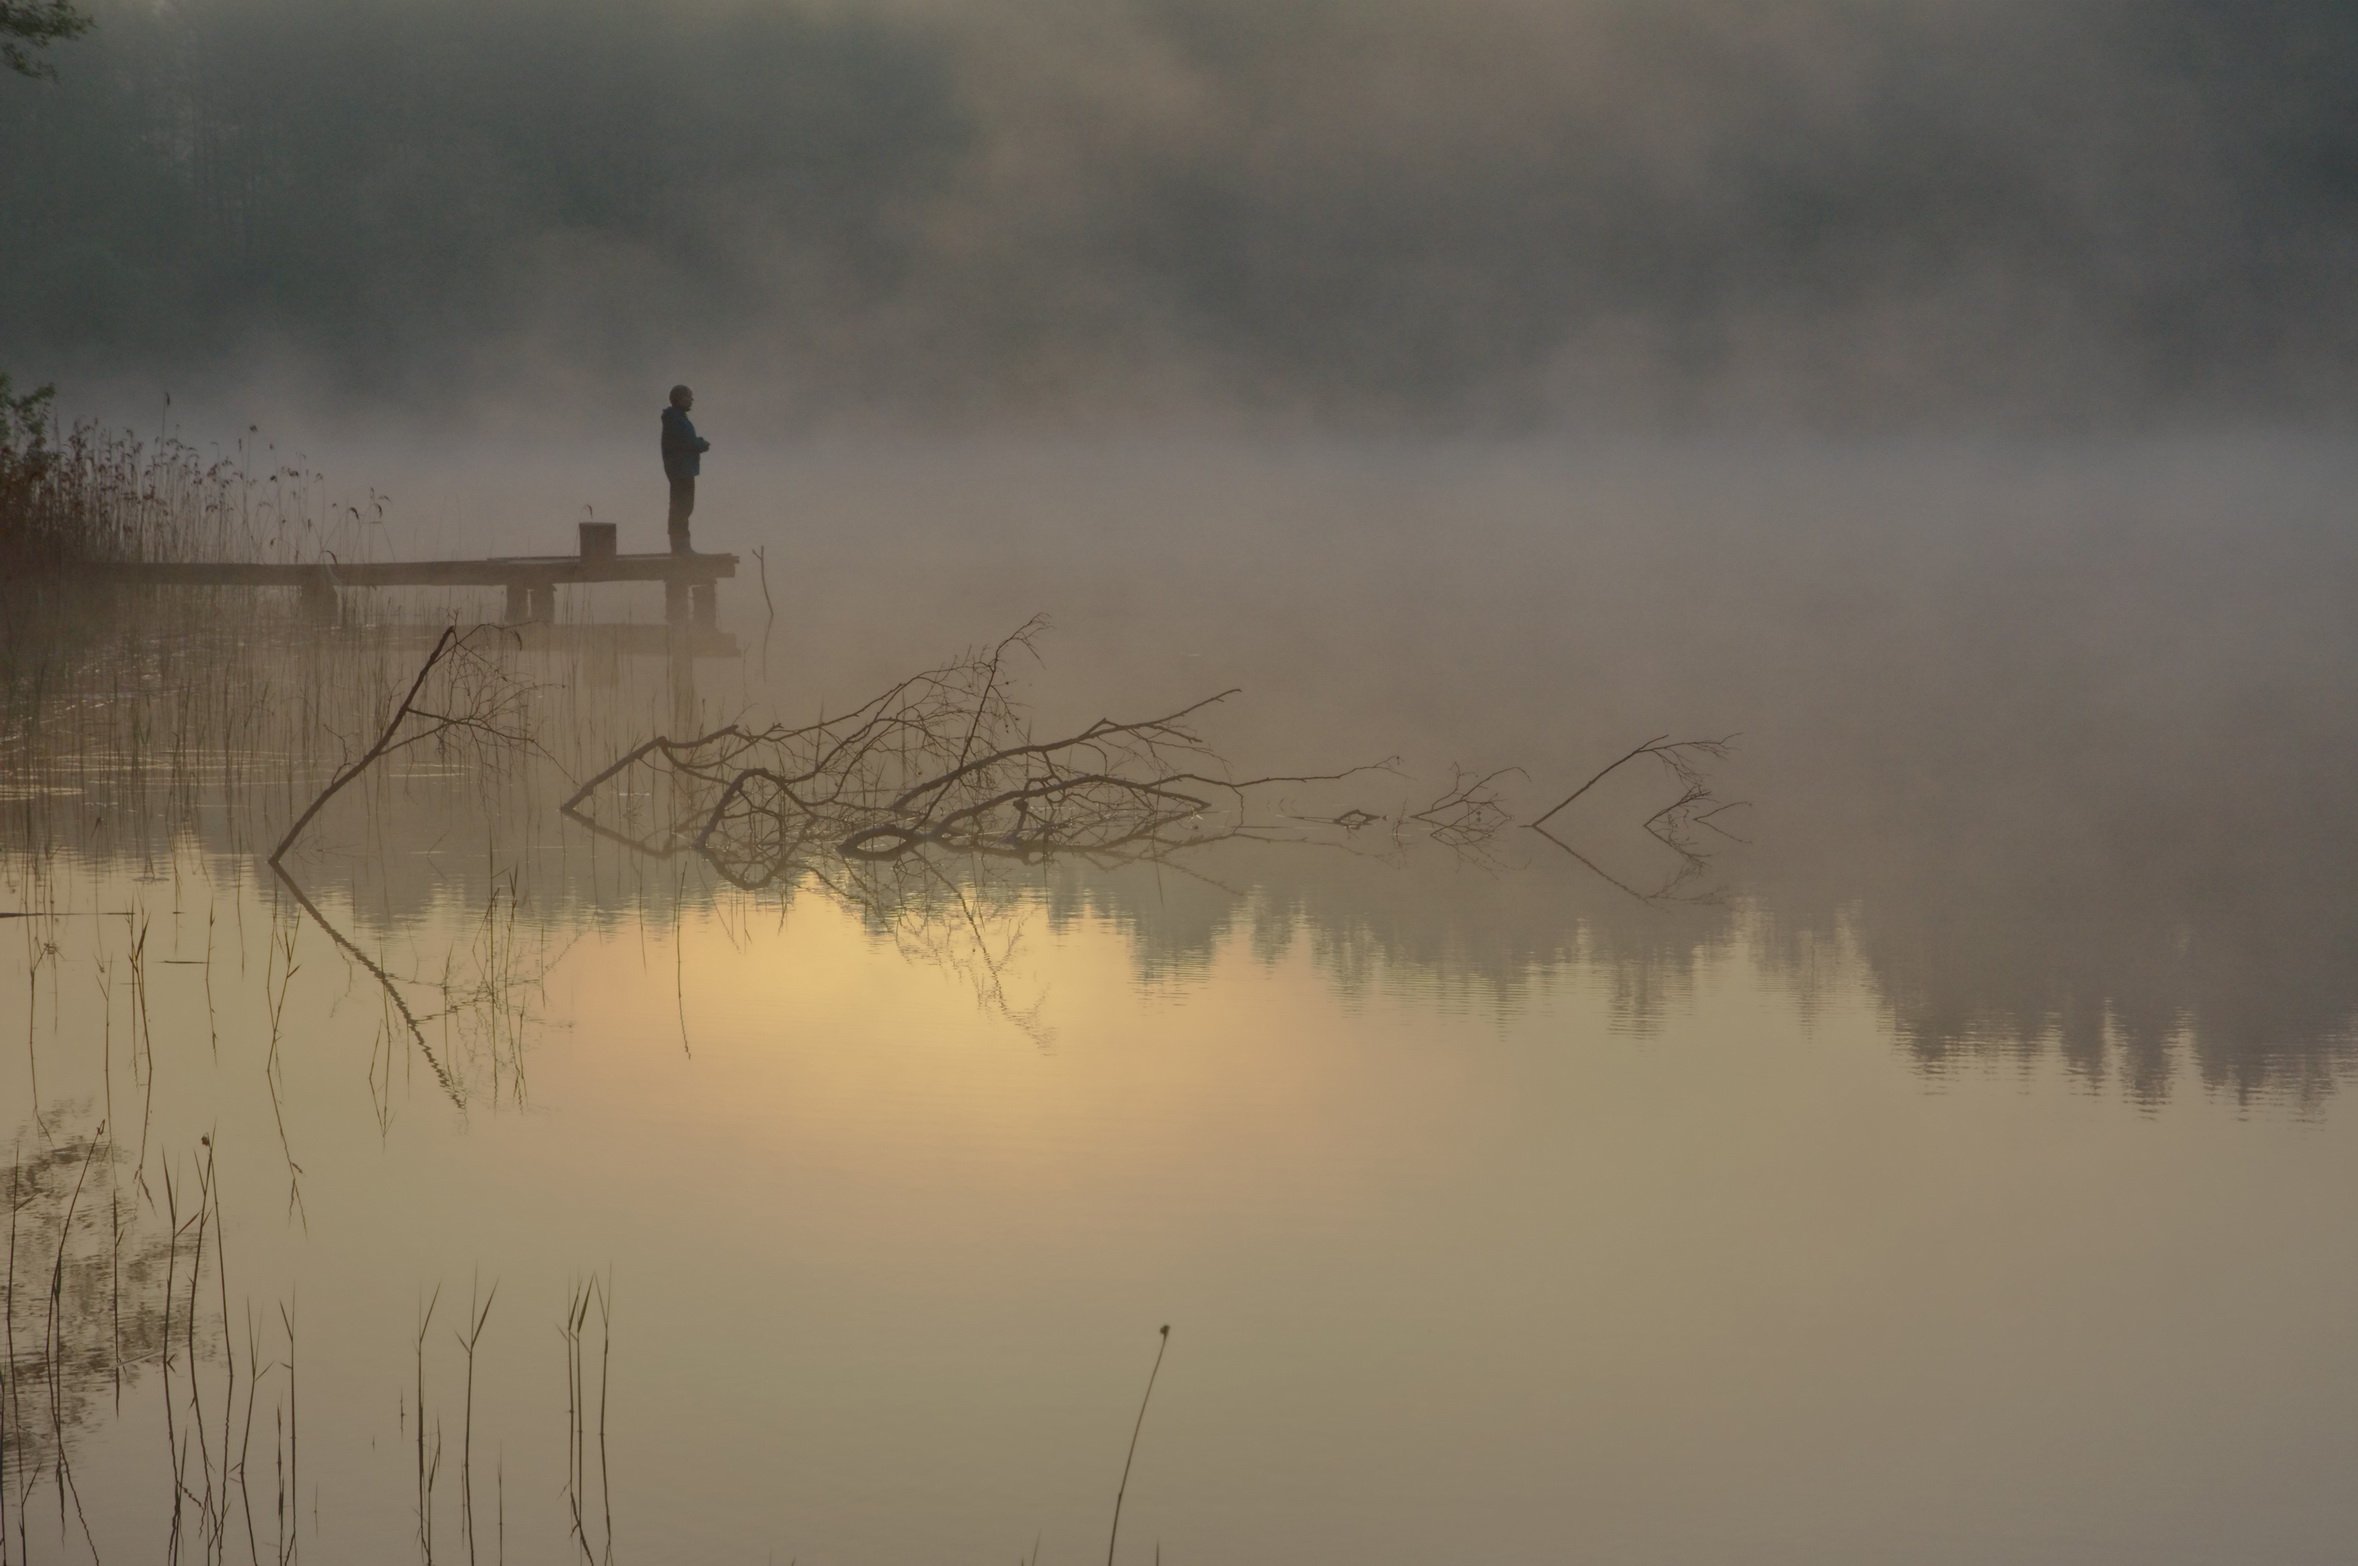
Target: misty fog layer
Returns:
[1493, 212]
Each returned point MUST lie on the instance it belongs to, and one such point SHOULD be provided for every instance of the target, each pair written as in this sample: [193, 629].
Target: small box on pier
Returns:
[597, 540]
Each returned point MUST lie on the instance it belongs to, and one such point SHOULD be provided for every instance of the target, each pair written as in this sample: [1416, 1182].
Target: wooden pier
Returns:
[690, 582]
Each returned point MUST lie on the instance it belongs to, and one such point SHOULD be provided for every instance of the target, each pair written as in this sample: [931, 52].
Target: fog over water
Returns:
[1932, 415]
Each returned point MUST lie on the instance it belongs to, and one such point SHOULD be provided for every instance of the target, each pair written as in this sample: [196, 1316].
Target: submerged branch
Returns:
[479, 702]
[942, 761]
[1695, 806]
[481, 705]
[1679, 757]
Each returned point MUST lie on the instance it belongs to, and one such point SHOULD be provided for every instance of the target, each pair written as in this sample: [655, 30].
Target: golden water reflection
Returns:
[1937, 1187]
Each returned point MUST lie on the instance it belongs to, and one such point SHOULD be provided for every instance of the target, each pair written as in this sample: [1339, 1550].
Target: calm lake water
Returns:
[1948, 1162]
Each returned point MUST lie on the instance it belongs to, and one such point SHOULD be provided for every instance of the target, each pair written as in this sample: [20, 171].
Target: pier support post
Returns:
[317, 600]
[704, 602]
[519, 608]
[544, 603]
[675, 601]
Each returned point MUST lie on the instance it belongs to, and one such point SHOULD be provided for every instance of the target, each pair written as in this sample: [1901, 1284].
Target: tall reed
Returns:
[91, 494]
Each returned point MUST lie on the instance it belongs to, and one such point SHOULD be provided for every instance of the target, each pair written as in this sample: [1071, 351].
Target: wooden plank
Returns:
[512, 571]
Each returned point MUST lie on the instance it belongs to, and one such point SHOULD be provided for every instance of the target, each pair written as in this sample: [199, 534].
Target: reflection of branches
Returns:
[970, 926]
[376, 971]
[909, 807]
[475, 700]
[1673, 826]
[912, 808]
[1665, 892]
[942, 762]
[81, 1302]
[1469, 811]
[489, 1002]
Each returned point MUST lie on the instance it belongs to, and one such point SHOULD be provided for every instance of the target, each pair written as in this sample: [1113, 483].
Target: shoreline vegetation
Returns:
[47, 515]
[91, 495]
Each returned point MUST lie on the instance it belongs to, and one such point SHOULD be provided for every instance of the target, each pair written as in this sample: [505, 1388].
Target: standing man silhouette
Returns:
[683, 452]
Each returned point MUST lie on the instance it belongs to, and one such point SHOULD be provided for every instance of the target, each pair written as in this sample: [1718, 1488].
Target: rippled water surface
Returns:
[1940, 1154]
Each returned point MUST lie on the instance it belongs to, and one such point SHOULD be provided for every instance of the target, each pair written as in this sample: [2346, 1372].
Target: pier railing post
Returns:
[317, 598]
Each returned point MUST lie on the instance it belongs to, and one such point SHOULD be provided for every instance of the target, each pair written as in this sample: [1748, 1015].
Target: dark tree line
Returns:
[358, 176]
[29, 27]
[1405, 204]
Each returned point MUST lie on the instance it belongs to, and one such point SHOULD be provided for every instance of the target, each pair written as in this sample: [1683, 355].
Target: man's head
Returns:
[682, 398]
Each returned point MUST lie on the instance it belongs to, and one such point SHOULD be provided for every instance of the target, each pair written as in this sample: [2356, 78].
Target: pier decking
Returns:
[691, 592]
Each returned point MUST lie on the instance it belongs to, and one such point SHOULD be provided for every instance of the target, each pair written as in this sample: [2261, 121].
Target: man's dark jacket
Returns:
[682, 446]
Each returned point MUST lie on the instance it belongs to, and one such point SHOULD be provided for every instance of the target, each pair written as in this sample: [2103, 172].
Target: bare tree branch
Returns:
[1695, 805]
